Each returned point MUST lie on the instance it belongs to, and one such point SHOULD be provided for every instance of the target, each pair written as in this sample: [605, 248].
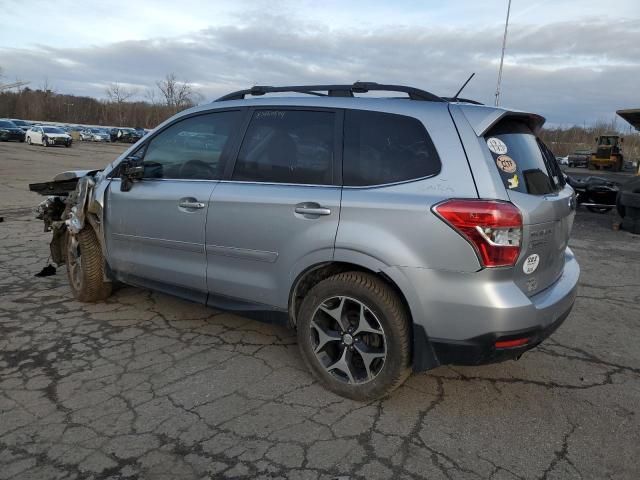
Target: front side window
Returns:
[288, 146]
[382, 148]
[519, 158]
[191, 148]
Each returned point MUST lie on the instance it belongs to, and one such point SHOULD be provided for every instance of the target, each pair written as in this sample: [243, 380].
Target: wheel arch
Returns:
[422, 354]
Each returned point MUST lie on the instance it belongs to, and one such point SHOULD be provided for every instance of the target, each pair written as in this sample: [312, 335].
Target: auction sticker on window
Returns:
[496, 145]
[506, 164]
[531, 264]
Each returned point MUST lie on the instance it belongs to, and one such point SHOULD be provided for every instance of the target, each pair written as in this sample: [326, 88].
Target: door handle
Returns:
[313, 211]
[191, 204]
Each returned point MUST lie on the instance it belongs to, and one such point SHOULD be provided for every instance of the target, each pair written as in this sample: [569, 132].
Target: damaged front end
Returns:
[69, 205]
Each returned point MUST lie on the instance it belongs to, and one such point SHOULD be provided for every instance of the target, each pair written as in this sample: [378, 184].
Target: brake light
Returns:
[492, 227]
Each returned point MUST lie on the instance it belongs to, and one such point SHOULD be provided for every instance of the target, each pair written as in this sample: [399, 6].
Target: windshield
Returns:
[525, 164]
[20, 122]
[7, 124]
[52, 130]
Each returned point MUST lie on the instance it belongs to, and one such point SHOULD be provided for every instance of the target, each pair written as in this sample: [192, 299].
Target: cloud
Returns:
[568, 71]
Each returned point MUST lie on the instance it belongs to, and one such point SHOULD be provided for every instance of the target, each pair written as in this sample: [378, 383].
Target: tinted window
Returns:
[53, 130]
[519, 158]
[191, 148]
[288, 146]
[7, 124]
[384, 148]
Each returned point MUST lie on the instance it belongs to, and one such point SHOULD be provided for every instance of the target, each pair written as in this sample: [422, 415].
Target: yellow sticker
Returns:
[506, 164]
[513, 182]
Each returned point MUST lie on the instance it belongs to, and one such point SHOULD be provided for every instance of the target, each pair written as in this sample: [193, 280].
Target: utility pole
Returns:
[504, 45]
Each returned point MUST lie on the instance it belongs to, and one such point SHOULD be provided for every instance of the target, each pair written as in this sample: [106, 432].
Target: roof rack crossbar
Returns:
[334, 91]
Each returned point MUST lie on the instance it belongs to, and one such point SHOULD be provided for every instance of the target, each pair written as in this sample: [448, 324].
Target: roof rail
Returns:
[461, 100]
[335, 91]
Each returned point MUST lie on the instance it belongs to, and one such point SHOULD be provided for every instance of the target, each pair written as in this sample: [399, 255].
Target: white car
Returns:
[47, 136]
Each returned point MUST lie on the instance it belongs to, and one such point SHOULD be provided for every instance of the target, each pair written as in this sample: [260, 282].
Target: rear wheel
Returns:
[85, 267]
[353, 333]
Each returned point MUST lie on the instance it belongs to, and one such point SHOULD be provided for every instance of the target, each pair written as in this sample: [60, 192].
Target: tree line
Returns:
[118, 109]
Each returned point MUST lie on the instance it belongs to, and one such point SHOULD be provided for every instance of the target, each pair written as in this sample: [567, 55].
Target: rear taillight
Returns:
[493, 228]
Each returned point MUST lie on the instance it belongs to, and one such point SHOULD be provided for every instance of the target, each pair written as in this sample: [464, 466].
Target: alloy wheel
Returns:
[348, 340]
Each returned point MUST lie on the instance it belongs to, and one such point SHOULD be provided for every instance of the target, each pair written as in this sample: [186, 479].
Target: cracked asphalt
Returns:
[151, 387]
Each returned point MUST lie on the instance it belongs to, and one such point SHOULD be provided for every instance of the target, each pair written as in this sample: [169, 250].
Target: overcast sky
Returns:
[572, 61]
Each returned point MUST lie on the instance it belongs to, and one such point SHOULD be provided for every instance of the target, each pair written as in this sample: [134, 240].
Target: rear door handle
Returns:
[313, 211]
[191, 204]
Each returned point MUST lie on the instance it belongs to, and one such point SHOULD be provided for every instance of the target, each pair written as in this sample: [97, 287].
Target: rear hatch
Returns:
[535, 184]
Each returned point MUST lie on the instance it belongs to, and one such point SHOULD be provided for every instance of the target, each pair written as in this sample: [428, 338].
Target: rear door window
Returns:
[524, 163]
[288, 146]
[382, 148]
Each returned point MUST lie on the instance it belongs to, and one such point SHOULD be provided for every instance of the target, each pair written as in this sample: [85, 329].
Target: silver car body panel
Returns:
[250, 244]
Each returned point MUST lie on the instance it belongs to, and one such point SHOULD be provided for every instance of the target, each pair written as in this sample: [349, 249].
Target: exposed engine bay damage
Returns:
[66, 213]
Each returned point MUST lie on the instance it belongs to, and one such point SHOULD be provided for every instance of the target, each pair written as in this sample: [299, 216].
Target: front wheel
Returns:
[353, 333]
[45, 142]
[28, 140]
[85, 267]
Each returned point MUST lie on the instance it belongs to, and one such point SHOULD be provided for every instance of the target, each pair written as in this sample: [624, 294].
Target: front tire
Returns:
[353, 333]
[45, 142]
[28, 140]
[85, 267]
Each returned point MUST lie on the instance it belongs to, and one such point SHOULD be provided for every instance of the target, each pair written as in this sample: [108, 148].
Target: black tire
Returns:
[45, 142]
[619, 207]
[382, 302]
[28, 140]
[630, 199]
[85, 269]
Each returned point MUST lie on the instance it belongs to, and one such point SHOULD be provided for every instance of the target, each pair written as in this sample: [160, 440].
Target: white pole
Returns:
[504, 45]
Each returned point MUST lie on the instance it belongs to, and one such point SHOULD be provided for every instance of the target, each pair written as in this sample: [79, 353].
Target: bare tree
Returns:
[178, 95]
[119, 95]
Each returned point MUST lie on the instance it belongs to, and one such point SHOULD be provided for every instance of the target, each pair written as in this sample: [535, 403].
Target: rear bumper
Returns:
[458, 317]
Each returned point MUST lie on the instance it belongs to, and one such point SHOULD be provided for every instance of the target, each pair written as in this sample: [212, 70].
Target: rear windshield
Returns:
[525, 164]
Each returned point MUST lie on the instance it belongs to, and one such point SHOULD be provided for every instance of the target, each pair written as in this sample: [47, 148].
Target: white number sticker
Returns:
[497, 146]
[531, 264]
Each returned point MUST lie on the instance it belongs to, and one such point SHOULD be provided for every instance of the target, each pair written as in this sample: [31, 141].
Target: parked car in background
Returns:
[125, 135]
[21, 124]
[392, 234]
[563, 161]
[580, 158]
[48, 136]
[95, 134]
[10, 131]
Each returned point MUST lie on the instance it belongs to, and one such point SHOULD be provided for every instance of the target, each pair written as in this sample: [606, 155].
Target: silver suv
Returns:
[394, 234]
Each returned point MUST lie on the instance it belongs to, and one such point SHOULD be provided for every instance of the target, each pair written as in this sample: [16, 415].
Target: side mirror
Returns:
[131, 169]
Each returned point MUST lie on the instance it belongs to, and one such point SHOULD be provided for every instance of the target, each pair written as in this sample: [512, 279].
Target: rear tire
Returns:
[85, 267]
[365, 355]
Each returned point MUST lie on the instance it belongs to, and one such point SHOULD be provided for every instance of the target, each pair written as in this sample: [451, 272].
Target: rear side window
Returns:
[288, 146]
[381, 148]
[524, 163]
